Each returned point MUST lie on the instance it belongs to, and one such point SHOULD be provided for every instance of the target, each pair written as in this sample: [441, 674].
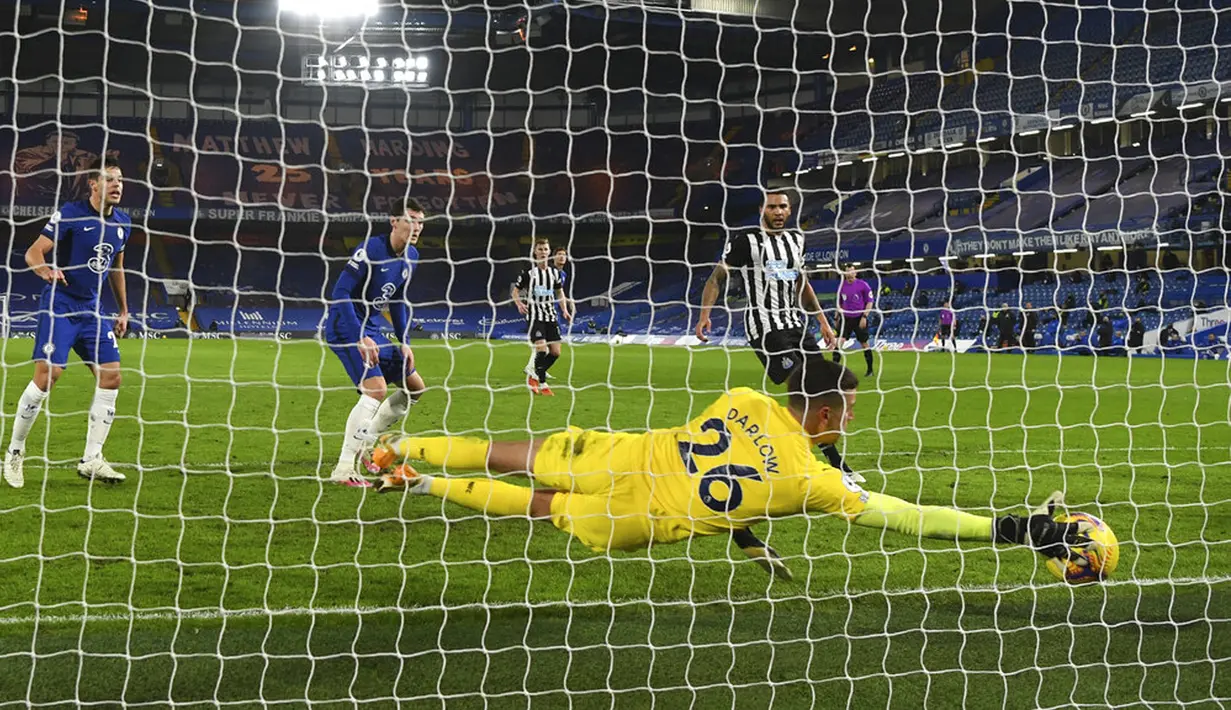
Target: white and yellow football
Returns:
[1094, 563]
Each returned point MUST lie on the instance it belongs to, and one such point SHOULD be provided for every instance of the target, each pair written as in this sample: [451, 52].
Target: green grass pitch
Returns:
[146, 592]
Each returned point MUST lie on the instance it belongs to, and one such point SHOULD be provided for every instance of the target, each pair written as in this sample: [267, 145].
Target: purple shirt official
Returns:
[854, 297]
[946, 317]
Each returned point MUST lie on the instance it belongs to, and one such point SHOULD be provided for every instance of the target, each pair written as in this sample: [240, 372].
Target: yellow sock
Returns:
[483, 494]
[449, 452]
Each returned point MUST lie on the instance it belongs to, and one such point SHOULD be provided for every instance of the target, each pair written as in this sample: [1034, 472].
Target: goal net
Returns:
[1032, 191]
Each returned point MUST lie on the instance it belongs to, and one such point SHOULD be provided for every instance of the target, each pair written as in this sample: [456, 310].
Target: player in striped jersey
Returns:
[780, 298]
[559, 259]
[536, 293]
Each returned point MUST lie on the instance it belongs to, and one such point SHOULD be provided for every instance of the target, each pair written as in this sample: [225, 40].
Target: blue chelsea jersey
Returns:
[375, 278]
[86, 244]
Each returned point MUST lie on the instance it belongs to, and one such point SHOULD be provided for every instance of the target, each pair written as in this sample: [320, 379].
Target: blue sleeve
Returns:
[56, 226]
[343, 295]
[399, 313]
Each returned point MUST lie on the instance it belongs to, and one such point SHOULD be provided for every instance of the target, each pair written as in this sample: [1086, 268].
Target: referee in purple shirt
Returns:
[854, 303]
[945, 332]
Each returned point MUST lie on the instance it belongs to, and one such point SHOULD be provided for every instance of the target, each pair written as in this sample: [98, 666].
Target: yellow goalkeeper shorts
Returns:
[606, 481]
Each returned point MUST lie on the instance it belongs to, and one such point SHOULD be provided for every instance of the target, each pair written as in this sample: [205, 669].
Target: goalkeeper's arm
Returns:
[1039, 530]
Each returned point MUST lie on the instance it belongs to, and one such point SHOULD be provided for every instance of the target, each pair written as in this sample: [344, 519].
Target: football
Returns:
[1093, 564]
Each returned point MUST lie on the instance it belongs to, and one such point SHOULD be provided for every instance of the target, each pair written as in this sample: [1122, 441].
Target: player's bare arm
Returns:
[812, 306]
[565, 307]
[36, 259]
[120, 289]
[521, 305]
[713, 287]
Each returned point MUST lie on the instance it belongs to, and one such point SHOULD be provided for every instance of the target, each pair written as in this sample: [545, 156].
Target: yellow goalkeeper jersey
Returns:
[745, 458]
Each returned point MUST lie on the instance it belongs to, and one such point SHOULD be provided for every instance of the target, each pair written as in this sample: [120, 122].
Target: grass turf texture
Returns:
[436, 606]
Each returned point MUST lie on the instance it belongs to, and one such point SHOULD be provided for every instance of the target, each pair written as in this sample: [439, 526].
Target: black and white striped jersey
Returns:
[538, 286]
[770, 265]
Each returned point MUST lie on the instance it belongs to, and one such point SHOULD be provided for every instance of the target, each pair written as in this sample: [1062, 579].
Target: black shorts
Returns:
[544, 330]
[946, 331]
[781, 351]
[850, 326]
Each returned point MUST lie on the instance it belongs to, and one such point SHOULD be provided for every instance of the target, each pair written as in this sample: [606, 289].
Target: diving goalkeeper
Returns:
[746, 458]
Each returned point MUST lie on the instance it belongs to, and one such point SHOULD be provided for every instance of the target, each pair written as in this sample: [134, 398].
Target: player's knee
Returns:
[415, 385]
[109, 378]
[375, 390]
[554, 349]
[45, 376]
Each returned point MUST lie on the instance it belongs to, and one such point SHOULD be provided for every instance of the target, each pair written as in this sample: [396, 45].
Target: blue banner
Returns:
[248, 320]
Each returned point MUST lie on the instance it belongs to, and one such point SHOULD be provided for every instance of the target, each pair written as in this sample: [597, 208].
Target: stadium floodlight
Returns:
[1034, 132]
[881, 262]
[988, 255]
[366, 69]
[896, 155]
[1023, 253]
[1113, 247]
[989, 139]
[959, 144]
[420, 62]
[786, 175]
[1163, 245]
[1062, 127]
[329, 9]
[925, 150]
[1069, 250]
[1185, 107]
[914, 259]
[1226, 100]
[845, 162]
[1106, 119]
[1142, 114]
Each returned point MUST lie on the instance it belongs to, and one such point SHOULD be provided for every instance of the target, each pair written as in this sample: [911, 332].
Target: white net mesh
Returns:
[1051, 175]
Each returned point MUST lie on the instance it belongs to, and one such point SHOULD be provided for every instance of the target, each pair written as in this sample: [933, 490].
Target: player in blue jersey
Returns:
[374, 279]
[81, 247]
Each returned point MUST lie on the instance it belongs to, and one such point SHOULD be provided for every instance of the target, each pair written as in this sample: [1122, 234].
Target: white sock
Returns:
[530, 363]
[102, 414]
[27, 411]
[357, 427]
[391, 412]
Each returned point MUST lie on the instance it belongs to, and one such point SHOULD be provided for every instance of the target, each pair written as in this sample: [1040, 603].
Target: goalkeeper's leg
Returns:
[601, 521]
[454, 453]
[486, 495]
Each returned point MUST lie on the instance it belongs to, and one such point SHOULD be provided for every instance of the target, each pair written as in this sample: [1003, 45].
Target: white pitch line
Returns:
[219, 614]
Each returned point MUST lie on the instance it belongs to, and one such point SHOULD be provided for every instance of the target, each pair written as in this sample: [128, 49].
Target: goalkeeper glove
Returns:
[1042, 532]
[762, 554]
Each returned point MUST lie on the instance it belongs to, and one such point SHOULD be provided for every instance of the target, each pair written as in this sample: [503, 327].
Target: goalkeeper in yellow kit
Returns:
[745, 459]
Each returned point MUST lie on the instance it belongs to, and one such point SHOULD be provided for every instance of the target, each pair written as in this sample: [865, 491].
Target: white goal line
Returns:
[219, 614]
